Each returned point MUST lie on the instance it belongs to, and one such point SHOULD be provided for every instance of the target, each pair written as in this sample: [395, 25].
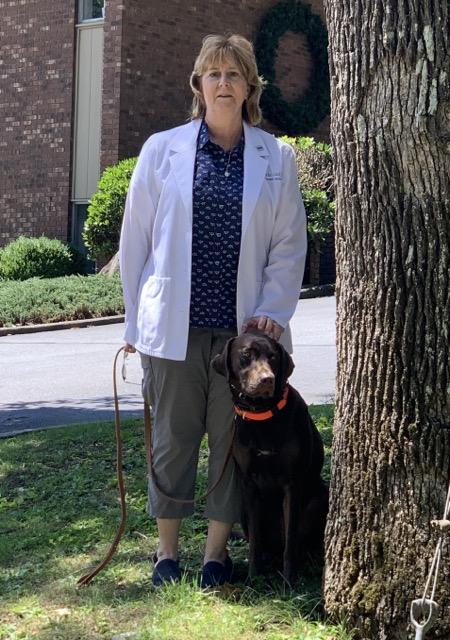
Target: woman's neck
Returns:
[225, 134]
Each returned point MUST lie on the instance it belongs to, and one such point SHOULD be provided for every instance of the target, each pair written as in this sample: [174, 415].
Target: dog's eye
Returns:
[244, 359]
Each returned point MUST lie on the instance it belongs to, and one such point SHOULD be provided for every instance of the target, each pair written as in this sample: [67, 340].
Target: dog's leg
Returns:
[313, 519]
[253, 511]
[291, 510]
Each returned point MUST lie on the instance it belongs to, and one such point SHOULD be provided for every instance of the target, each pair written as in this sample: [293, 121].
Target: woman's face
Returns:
[224, 89]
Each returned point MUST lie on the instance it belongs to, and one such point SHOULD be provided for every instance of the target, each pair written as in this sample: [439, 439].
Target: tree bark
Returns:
[389, 69]
[314, 262]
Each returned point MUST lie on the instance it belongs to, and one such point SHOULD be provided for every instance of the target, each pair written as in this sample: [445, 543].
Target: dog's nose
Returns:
[266, 384]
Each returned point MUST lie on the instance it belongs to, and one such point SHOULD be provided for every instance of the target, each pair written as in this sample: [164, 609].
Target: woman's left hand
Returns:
[264, 324]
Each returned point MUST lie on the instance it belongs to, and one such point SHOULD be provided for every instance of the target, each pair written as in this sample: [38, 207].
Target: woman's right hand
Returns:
[129, 348]
[265, 324]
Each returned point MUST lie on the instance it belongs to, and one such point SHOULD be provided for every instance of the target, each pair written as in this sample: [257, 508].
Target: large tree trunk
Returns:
[390, 69]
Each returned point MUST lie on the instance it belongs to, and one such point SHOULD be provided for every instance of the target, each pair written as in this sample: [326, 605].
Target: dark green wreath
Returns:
[298, 117]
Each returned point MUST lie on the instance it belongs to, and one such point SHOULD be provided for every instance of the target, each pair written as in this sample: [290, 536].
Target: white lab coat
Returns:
[156, 239]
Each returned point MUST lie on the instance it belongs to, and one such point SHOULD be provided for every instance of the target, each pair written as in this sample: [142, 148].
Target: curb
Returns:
[306, 293]
[319, 291]
[54, 326]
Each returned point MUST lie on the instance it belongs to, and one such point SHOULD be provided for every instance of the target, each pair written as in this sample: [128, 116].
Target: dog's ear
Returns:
[221, 362]
[286, 363]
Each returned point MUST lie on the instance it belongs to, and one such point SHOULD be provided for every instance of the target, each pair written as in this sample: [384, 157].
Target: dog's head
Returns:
[254, 365]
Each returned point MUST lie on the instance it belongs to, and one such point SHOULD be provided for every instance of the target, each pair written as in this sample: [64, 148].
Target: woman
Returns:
[213, 243]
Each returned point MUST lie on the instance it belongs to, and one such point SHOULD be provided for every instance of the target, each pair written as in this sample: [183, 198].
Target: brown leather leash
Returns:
[88, 577]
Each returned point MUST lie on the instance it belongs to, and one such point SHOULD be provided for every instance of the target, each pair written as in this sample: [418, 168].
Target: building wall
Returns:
[36, 78]
[112, 78]
[158, 42]
[149, 51]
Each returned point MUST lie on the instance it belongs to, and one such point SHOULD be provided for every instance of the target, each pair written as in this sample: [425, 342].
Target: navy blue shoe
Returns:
[215, 574]
[165, 571]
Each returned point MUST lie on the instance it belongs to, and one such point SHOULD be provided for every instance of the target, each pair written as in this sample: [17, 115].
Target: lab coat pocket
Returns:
[154, 313]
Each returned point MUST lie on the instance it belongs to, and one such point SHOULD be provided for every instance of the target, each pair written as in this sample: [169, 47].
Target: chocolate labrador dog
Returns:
[279, 454]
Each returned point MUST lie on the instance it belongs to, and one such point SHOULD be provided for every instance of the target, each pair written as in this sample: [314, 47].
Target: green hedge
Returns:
[38, 301]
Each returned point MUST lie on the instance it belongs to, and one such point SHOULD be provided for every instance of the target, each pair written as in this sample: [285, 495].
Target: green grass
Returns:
[37, 301]
[58, 514]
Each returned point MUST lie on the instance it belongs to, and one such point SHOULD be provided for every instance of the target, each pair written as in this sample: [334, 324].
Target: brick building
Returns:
[84, 82]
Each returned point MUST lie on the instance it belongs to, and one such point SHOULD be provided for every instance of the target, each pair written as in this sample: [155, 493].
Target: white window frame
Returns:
[82, 20]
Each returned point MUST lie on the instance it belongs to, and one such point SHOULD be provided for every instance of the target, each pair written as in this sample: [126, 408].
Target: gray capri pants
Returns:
[190, 399]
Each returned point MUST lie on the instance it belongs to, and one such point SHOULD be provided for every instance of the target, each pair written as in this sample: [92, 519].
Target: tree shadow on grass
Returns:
[23, 417]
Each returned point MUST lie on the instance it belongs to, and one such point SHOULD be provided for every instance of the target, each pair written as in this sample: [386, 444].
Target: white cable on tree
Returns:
[424, 610]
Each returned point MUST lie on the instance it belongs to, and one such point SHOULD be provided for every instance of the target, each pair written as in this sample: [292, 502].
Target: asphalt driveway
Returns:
[65, 377]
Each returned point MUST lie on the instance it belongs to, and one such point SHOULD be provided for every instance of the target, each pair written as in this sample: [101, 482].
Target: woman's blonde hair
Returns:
[214, 52]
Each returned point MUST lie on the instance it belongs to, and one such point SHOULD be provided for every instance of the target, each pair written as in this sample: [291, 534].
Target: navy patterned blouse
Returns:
[216, 232]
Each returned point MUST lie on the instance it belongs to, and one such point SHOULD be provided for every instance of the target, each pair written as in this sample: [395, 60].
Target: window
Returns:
[91, 10]
[79, 215]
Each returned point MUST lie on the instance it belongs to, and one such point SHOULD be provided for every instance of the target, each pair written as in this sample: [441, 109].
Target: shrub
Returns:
[320, 212]
[41, 300]
[79, 261]
[36, 257]
[315, 174]
[105, 211]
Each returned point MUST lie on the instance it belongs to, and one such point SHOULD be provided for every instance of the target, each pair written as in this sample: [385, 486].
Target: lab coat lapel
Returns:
[182, 161]
[255, 167]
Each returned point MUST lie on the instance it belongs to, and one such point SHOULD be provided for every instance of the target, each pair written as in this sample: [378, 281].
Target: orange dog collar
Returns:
[263, 415]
